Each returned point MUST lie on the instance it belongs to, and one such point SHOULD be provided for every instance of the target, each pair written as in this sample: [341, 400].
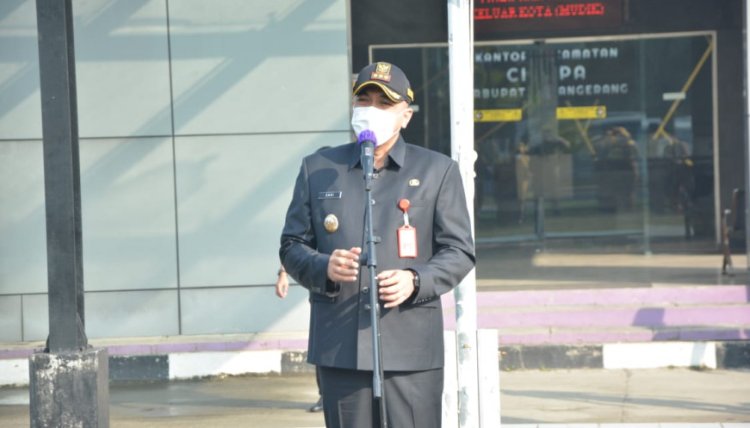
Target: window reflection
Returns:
[584, 148]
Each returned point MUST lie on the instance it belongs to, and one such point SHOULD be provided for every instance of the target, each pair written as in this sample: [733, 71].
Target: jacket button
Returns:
[367, 306]
[365, 290]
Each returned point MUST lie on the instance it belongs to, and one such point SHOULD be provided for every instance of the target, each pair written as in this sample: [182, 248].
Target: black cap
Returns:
[387, 77]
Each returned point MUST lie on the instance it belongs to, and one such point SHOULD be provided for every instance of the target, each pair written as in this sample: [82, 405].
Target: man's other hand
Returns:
[343, 265]
[395, 286]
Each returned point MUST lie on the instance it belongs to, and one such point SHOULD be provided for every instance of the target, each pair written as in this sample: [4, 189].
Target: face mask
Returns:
[380, 122]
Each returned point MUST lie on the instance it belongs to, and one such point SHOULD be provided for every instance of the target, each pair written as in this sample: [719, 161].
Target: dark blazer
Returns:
[331, 182]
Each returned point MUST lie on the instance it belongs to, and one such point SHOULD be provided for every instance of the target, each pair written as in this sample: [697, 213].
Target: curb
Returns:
[190, 365]
[712, 355]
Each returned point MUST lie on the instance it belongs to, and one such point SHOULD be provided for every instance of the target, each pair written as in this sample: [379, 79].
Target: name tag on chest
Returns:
[329, 195]
[407, 242]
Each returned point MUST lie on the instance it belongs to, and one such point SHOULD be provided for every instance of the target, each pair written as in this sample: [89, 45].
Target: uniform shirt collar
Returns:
[395, 156]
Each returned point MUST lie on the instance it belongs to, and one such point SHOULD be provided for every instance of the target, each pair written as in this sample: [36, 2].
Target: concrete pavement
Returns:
[582, 396]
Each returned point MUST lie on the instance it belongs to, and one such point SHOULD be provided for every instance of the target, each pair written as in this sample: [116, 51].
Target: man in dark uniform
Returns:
[414, 189]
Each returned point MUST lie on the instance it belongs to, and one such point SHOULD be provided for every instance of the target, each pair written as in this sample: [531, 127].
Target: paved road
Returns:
[527, 397]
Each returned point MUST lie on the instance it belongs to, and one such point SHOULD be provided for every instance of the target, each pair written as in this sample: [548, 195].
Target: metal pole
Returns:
[645, 191]
[68, 382]
[62, 183]
[378, 379]
[747, 133]
[461, 68]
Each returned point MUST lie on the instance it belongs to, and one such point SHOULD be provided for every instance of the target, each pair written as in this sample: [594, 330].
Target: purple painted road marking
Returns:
[609, 317]
[572, 337]
[610, 296]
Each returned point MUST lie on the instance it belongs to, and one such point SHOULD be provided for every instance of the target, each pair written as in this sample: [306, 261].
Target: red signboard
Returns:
[492, 16]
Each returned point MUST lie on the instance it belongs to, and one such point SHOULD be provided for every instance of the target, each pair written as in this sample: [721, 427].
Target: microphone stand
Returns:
[378, 390]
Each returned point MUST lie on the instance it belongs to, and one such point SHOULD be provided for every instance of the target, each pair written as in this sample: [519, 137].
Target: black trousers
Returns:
[413, 399]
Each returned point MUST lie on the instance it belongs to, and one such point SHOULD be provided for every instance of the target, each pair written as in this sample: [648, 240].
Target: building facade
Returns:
[607, 132]
[193, 119]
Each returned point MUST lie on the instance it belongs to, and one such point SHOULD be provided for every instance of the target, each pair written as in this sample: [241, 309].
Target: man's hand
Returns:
[395, 286]
[282, 284]
[343, 265]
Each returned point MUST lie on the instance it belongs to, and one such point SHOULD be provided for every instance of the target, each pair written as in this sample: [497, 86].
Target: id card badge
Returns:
[407, 242]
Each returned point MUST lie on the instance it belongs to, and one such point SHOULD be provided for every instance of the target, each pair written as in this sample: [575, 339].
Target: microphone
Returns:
[367, 142]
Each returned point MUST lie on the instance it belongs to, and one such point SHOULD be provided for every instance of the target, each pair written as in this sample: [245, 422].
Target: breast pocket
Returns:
[420, 212]
[421, 202]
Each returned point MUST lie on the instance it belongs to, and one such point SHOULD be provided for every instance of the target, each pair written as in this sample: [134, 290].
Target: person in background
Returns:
[282, 289]
[523, 179]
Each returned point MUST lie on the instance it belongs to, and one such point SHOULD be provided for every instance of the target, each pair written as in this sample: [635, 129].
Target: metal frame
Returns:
[621, 37]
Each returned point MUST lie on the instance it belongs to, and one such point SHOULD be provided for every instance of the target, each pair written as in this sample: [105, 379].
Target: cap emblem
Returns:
[382, 72]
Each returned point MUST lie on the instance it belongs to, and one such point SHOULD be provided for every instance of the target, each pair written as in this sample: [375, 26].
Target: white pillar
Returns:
[489, 378]
[450, 379]
[461, 68]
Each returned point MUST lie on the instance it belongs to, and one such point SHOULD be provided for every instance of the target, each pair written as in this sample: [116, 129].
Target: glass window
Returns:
[592, 154]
